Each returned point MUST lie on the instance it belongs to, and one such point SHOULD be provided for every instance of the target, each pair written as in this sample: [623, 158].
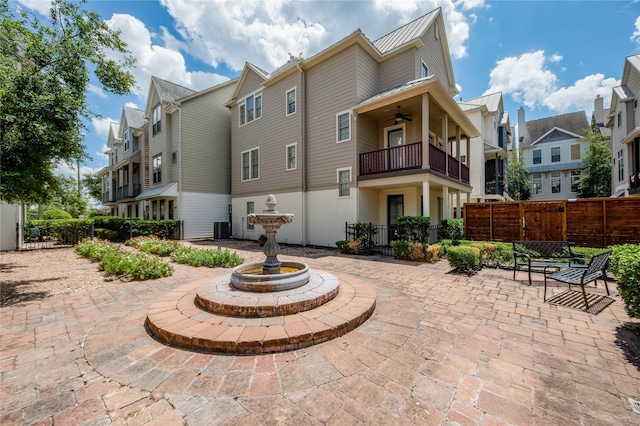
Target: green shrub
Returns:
[625, 264]
[343, 246]
[154, 245]
[363, 234]
[414, 228]
[56, 214]
[464, 259]
[452, 229]
[219, 258]
[106, 234]
[400, 249]
[139, 266]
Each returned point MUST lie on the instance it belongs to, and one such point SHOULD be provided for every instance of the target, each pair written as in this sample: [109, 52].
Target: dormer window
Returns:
[157, 119]
[127, 140]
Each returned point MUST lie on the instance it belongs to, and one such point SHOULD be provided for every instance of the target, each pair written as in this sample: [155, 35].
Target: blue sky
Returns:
[550, 57]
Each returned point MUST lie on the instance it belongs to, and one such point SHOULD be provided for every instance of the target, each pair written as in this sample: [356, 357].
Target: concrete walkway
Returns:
[440, 348]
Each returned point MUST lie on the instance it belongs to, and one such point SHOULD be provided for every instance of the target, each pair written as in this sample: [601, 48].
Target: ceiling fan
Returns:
[400, 116]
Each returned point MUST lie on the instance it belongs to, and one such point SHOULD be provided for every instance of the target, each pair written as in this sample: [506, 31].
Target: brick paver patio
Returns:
[440, 348]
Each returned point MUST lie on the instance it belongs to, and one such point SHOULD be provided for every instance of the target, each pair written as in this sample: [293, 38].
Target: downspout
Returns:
[303, 148]
[180, 198]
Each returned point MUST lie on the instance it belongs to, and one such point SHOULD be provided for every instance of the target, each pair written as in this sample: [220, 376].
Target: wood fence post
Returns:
[604, 222]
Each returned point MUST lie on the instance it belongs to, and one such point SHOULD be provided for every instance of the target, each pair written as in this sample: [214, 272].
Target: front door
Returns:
[395, 139]
[395, 209]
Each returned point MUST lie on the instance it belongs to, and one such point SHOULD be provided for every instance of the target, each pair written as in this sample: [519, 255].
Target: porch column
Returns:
[468, 197]
[130, 180]
[446, 210]
[458, 155]
[426, 198]
[425, 130]
[445, 140]
[458, 205]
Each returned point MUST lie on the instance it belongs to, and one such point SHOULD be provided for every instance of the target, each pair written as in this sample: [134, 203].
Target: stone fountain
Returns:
[272, 274]
[262, 307]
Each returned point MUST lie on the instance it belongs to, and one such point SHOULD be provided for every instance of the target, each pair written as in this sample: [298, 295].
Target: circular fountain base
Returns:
[251, 277]
[220, 297]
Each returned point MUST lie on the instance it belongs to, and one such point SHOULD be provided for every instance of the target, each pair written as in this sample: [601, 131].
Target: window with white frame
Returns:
[291, 101]
[292, 156]
[537, 156]
[536, 184]
[343, 126]
[619, 118]
[157, 119]
[575, 180]
[575, 151]
[621, 176]
[344, 182]
[250, 209]
[555, 154]
[157, 168]
[127, 140]
[250, 109]
[424, 70]
[250, 164]
[555, 183]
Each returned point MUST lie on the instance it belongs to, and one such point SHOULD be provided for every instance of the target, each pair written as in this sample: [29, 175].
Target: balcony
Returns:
[107, 197]
[409, 157]
[128, 191]
[494, 188]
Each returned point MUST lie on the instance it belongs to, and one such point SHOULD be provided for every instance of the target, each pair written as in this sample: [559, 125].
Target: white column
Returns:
[426, 199]
[425, 130]
[458, 152]
[458, 205]
[446, 210]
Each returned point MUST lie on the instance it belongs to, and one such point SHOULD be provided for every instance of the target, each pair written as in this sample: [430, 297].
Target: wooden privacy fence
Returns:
[591, 222]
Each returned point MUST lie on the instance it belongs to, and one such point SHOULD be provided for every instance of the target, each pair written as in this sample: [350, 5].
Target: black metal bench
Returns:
[581, 276]
[541, 256]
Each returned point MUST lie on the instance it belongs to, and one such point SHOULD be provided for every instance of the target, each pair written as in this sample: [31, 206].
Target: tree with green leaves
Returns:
[596, 176]
[92, 183]
[518, 185]
[44, 73]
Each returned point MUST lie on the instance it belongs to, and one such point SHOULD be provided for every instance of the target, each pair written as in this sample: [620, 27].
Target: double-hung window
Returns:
[575, 151]
[537, 156]
[292, 156]
[536, 184]
[250, 109]
[343, 126]
[344, 182]
[621, 176]
[424, 71]
[575, 180]
[157, 119]
[127, 140]
[250, 164]
[555, 154]
[291, 101]
[619, 118]
[157, 168]
[555, 183]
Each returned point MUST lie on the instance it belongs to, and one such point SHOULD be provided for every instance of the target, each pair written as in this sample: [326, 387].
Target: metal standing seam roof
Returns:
[395, 90]
[491, 101]
[405, 33]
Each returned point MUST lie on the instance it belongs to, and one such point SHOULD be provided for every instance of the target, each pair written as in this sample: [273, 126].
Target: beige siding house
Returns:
[488, 154]
[362, 131]
[624, 122]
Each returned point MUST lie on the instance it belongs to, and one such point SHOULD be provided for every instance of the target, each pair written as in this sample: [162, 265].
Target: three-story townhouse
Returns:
[488, 168]
[188, 156]
[624, 122]
[553, 149]
[362, 131]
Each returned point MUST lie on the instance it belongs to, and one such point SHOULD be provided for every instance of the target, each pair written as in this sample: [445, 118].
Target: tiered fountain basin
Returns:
[179, 321]
[252, 277]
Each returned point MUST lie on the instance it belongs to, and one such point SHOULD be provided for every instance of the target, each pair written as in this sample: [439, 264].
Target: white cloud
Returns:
[526, 79]
[92, 88]
[635, 37]
[41, 6]
[157, 60]
[132, 105]
[101, 126]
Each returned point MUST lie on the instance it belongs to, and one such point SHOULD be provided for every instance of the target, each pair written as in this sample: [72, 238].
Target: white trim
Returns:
[344, 169]
[286, 157]
[338, 115]
[286, 101]
[425, 67]
[257, 149]
[256, 94]
[386, 131]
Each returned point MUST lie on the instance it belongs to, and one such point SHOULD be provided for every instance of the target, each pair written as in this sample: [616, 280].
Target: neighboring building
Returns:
[11, 221]
[488, 167]
[552, 151]
[188, 156]
[599, 118]
[363, 131]
[128, 168]
[624, 122]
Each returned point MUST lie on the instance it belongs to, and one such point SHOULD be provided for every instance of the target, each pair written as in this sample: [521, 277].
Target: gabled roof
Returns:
[170, 92]
[491, 101]
[405, 33]
[248, 67]
[134, 117]
[574, 124]
[622, 92]
[113, 135]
